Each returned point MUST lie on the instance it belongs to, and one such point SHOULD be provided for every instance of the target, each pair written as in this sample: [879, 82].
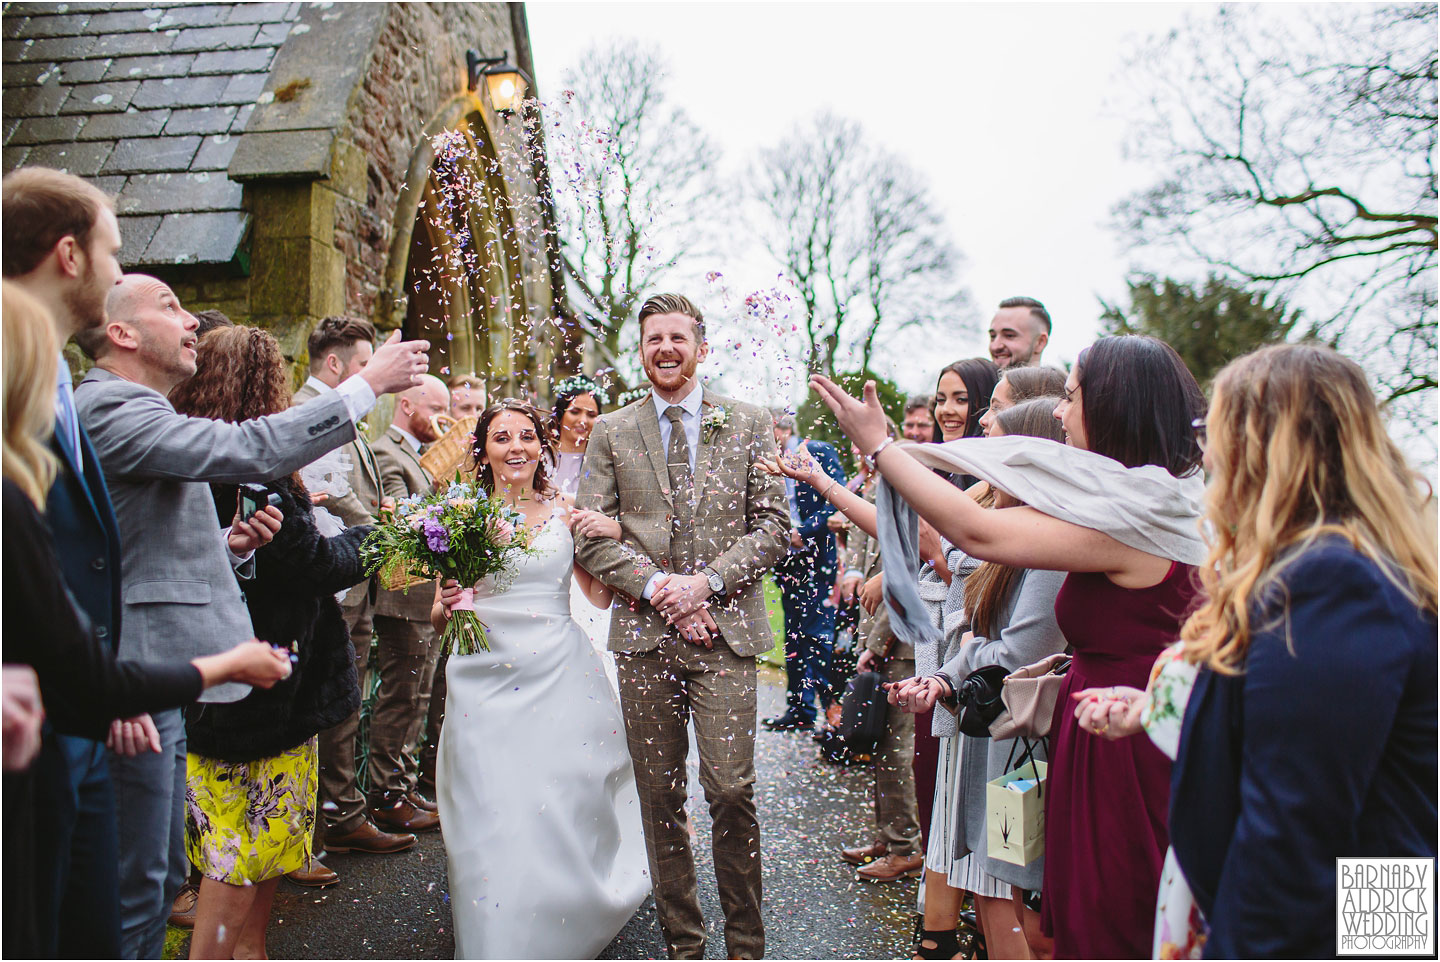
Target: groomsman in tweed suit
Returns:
[700, 524]
[409, 650]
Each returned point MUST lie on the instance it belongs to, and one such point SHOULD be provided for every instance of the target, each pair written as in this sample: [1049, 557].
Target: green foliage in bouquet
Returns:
[458, 533]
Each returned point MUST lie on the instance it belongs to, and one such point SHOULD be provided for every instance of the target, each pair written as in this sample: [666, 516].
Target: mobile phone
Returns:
[253, 497]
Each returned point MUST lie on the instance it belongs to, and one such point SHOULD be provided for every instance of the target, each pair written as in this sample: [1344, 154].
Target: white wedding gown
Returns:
[536, 791]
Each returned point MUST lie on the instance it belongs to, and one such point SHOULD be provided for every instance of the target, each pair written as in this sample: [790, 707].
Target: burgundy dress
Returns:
[1106, 816]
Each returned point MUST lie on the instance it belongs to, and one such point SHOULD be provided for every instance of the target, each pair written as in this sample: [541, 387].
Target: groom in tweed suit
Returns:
[700, 523]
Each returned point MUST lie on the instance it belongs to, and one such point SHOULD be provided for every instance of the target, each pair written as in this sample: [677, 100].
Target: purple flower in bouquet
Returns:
[460, 533]
[436, 536]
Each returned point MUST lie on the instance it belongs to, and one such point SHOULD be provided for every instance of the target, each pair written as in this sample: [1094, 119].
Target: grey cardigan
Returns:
[1030, 634]
[945, 604]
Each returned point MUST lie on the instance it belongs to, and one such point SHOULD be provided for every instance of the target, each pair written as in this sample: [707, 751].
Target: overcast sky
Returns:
[1006, 108]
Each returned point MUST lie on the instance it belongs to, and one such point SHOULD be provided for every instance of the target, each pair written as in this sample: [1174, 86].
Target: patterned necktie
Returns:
[682, 490]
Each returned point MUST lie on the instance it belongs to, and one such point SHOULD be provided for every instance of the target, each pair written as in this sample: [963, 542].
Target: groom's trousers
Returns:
[660, 691]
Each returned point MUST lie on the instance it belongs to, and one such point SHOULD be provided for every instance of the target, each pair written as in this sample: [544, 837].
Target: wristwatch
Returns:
[717, 583]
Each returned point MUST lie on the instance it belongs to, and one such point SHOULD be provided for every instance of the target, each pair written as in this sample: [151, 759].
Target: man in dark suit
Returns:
[339, 349]
[61, 242]
[806, 577]
[409, 651]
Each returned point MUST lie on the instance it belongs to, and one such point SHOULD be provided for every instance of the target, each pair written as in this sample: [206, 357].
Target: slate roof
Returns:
[147, 101]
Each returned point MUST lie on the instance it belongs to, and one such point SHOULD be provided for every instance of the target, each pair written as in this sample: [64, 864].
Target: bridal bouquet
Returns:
[457, 533]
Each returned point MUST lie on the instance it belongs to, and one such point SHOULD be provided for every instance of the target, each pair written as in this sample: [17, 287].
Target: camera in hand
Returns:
[253, 497]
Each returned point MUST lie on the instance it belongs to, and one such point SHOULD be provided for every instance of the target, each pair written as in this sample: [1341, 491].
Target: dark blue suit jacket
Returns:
[1321, 749]
[808, 574]
[82, 521]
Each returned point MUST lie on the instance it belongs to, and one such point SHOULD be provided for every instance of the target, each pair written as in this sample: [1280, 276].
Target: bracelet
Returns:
[825, 495]
[870, 458]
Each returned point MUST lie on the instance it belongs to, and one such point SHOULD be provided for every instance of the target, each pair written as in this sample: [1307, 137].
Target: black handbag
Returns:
[979, 699]
[862, 713]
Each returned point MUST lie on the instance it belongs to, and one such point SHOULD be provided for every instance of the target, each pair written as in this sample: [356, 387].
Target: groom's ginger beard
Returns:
[670, 354]
[416, 406]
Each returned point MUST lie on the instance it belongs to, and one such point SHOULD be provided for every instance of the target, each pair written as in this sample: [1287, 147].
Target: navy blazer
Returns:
[1322, 749]
[815, 511]
[87, 540]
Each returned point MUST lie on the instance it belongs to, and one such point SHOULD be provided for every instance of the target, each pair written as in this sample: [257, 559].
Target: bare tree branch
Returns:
[1298, 152]
[635, 182]
[856, 233]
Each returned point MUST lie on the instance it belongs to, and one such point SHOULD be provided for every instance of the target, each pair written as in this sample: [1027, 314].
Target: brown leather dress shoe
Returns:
[404, 816]
[313, 874]
[891, 867]
[421, 802]
[182, 910]
[368, 838]
[865, 853]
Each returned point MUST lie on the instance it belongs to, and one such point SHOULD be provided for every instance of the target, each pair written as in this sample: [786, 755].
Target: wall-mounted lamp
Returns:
[505, 84]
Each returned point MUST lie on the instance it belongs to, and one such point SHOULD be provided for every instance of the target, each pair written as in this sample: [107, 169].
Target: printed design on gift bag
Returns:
[1015, 809]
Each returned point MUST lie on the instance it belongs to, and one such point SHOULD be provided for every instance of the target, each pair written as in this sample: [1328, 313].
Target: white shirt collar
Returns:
[320, 386]
[413, 441]
[691, 402]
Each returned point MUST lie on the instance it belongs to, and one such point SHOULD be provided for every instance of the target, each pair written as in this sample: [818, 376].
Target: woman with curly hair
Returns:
[85, 690]
[252, 764]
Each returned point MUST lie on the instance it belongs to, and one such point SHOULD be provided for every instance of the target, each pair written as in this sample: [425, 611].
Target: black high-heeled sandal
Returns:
[946, 943]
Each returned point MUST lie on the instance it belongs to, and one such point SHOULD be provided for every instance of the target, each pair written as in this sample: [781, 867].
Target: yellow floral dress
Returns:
[246, 822]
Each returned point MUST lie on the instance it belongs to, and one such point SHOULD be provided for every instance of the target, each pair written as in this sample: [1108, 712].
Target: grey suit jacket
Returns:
[741, 519]
[181, 598]
[362, 504]
[401, 476]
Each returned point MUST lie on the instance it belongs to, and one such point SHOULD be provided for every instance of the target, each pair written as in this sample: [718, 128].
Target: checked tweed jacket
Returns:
[401, 476]
[741, 519]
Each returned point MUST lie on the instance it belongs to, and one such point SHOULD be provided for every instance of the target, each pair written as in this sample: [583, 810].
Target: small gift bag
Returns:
[1015, 812]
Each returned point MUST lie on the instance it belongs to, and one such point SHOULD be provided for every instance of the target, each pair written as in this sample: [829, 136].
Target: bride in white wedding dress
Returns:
[536, 791]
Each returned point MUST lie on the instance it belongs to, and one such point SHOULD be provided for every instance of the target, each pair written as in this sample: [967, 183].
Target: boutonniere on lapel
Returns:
[715, 420]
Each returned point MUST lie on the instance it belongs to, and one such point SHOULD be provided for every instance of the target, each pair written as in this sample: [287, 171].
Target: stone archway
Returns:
[454, 275]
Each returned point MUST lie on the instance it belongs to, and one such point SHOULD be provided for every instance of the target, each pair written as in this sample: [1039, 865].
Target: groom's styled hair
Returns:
[672, 304]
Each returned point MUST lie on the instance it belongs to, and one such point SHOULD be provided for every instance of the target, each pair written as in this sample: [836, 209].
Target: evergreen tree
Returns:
[1208, 327]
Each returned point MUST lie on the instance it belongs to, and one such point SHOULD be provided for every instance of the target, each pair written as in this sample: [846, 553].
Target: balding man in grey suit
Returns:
[178, 583]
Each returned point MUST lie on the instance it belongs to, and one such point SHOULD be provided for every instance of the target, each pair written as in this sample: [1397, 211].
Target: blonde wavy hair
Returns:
[1297, 451]
[30, 355]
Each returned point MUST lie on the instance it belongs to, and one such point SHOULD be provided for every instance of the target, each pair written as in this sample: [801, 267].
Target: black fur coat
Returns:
[292, 604]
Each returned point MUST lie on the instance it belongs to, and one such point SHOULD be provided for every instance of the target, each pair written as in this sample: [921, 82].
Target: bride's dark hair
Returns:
[542, 483]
